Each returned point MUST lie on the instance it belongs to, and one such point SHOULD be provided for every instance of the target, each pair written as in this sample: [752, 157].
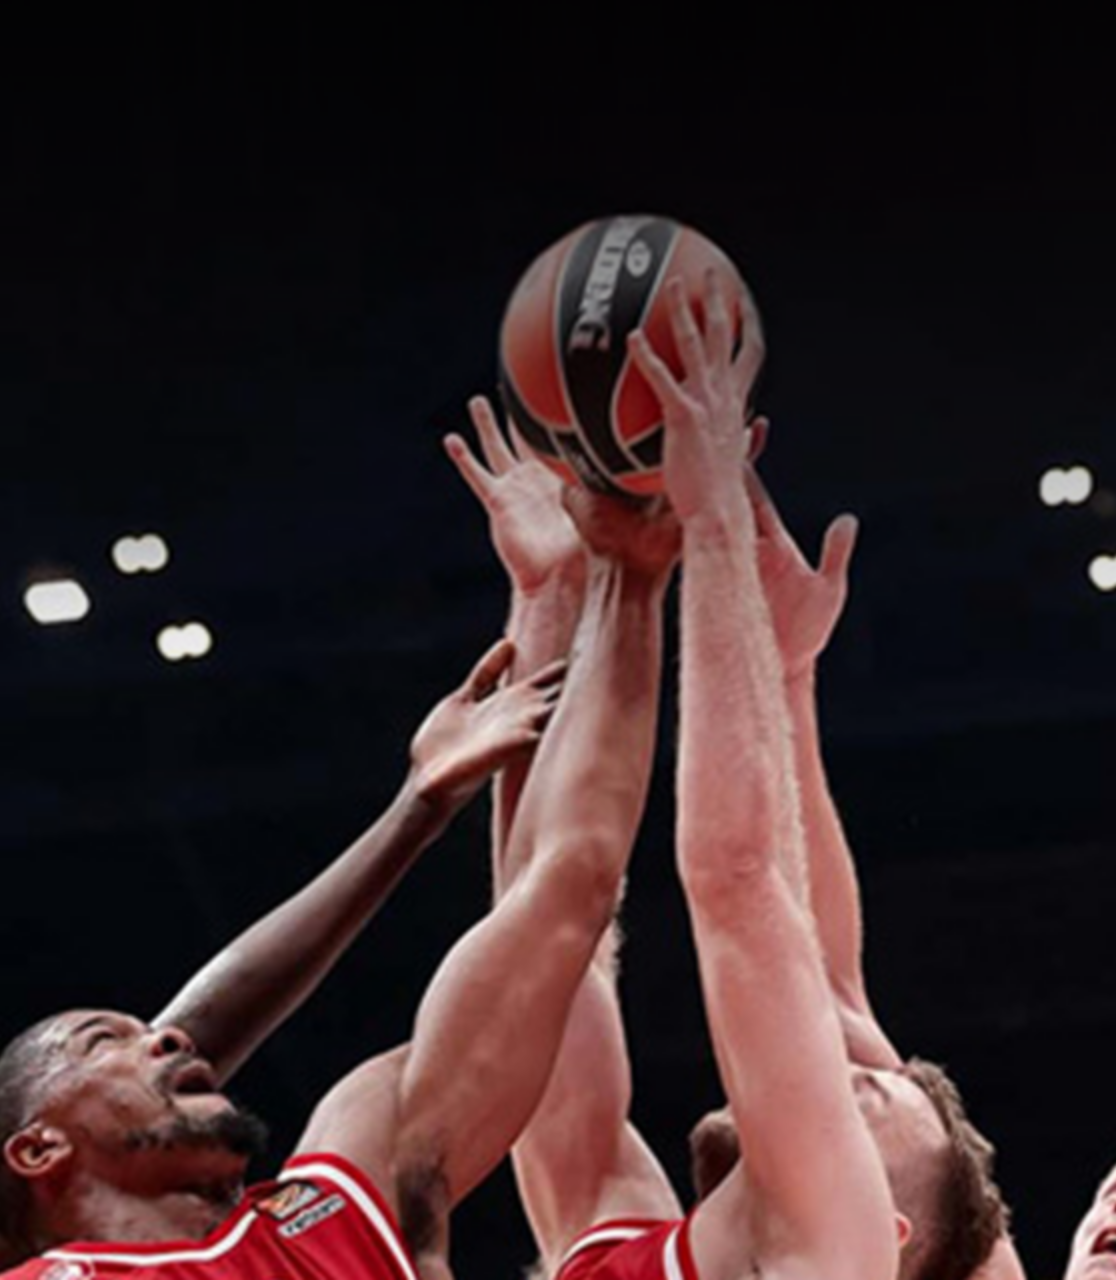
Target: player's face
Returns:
[901, 1117]
[902, 1120]
[1093, 1252]
[113, 1081]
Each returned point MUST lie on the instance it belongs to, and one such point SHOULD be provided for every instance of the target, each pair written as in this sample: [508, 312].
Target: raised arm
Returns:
[572, 837]
[815, 1199]
[266, 973]
[580, 1160]
[539, 547]
[489, 1027]
[806, 604]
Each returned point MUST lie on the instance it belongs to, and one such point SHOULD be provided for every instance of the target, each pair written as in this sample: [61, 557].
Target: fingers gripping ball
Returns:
[567, 380]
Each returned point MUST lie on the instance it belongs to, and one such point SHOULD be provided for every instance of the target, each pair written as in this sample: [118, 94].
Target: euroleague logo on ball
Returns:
[569, 381]
[592, 330]
[638, 260]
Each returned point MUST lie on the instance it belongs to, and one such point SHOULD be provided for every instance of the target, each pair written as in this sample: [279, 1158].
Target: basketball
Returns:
[567, 381]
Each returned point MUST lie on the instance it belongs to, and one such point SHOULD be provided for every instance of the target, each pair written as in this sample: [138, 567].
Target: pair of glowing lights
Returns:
[60, 600]
[1072, 487]
[63, 600]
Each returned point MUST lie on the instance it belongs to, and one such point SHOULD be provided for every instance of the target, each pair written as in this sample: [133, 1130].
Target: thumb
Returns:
[492, 665]
[837, 549]
[759, 428]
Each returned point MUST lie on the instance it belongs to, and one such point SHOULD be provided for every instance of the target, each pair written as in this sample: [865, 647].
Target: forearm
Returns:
[266, 973]
[595, 770]
[773, 1023]
[834, 888]
[736, 761]
[579, 1146]
[484, 1047]
[541, 624]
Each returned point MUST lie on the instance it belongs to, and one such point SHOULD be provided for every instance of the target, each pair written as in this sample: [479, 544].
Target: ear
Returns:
[37, 1151]
[904, 1229]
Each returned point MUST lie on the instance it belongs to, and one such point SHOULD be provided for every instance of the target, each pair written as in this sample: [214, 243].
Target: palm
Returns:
[461, 744]
[805, 602]
[478, 728]
[705, 443]
[805, 605]
[533, 536]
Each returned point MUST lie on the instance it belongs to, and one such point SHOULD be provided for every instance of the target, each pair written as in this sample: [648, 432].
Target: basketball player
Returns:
[806, 605]
[258, 980]
[1094, 1241]
[581, 1161]
[122, 1156]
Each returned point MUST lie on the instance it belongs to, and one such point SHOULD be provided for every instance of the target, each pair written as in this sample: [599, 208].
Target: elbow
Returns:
[721, 875]
[580, 878]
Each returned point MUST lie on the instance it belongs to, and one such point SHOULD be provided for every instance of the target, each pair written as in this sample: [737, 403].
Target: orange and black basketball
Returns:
[568, 383]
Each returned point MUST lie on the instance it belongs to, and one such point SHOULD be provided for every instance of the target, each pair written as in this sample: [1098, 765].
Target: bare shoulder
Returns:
[735, 1234]
[358, 1119]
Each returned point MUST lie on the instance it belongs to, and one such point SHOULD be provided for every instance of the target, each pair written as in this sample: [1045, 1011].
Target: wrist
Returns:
[542, 623]
[801, 680]
[565, 576]
[725, 520]
[426, 804]
[606, 573]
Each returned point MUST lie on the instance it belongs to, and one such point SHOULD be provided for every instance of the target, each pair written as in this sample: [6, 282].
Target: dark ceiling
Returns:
[249, 274]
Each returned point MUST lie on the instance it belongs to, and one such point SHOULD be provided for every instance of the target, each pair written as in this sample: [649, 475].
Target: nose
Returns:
[168, 1041]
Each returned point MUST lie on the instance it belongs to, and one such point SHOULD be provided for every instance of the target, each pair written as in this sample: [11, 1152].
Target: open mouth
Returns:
[1105, 1242]
[196, 1077]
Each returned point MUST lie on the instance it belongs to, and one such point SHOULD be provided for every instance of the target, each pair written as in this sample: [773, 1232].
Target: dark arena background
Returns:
[250, 272]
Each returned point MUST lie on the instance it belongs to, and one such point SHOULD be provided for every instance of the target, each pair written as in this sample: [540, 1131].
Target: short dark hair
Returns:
[967, 1213]
[21, 1066]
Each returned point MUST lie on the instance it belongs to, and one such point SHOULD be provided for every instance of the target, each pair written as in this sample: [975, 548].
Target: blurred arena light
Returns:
[1069, 485]
[1102, 573]
[147, 553]
[55, 601]
[191, 640]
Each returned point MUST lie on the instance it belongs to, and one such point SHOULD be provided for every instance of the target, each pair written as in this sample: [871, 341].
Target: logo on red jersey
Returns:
[288, 1200]
[311, 1217]
[69, 1271]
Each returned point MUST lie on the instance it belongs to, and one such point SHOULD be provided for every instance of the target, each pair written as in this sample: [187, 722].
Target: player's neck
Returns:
[100, 1211]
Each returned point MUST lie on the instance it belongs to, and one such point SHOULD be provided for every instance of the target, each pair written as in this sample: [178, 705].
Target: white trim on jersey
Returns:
[604, 1235]
[672, 1264]
[362, 1200]
[161, 1259]
[327, 1172]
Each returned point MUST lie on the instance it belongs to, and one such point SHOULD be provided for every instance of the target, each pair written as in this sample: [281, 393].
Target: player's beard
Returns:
[234, 1129]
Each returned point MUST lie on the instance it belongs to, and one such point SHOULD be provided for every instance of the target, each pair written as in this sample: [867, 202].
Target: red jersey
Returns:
[631, 1249]
[321, 1219]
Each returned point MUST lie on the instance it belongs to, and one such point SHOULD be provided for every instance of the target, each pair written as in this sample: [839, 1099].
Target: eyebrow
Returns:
[97, 1019]
[94, 1020]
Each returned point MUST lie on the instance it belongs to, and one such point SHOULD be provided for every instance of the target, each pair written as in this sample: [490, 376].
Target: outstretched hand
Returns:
[805, 602]
[705, 442]
[479, 728]
[532, 534]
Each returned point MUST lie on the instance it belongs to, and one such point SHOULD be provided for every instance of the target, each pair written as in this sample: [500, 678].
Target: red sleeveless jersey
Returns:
[631, 1249]
[321, 1219]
